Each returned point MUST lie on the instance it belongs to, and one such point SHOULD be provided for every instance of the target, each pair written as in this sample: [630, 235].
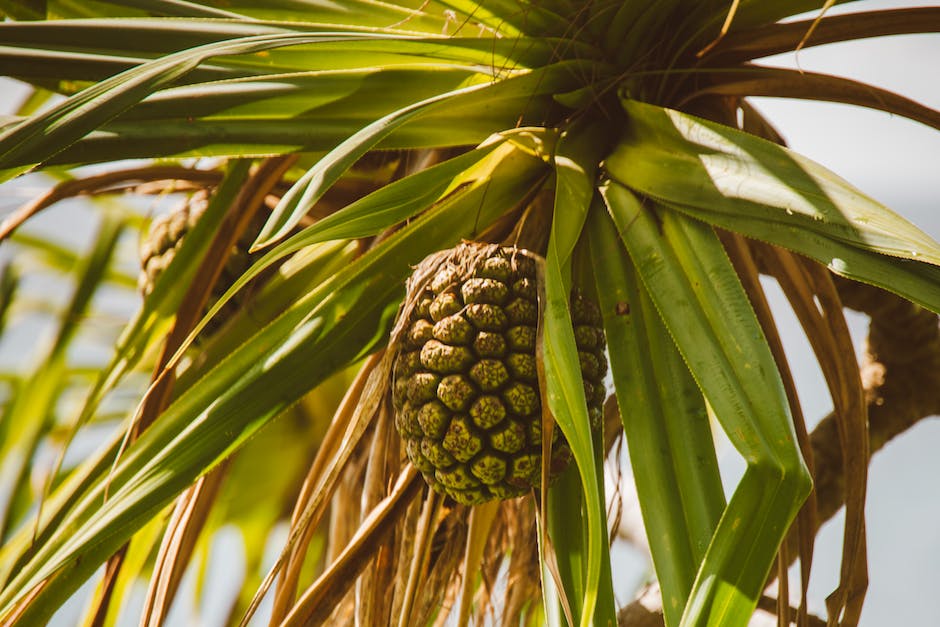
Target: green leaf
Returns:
[700, 299]
[9, 282]
[175, 8]
[468, 120]
[94, 49]
[510, 18]
[141, 332]
[365, 13]
[368, 216]
[32, 413]
[665, 422]
[681, 159]
[161, 304]
[634, 24]
[326, 329]
[136, 566]
[40, 137]
[316, 181]
[752, 186]
[394, 202]
[915, 281]
[316, 96]
[24, 9]
[301, 197]
[63, 258]
[300, 274]
[575, 162]
[568, 535]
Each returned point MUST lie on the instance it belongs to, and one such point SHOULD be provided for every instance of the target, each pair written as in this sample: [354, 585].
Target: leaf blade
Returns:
[575, 161]
[684, 160]
[698, 295]
[316, 181]
[326, 329]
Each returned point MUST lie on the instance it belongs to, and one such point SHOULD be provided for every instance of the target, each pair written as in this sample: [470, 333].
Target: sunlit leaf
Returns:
[33, 412]
[752, 186]
[575, 159]
[316, 181]
[325, 330]
[700, 299]
[667, 428]
[35, 140]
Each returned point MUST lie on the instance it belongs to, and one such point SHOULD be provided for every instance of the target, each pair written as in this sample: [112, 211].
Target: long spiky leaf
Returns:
[574, 162]
[754, 80]
[772, 39]
[35, 140]
[752, 186]
[701, 302]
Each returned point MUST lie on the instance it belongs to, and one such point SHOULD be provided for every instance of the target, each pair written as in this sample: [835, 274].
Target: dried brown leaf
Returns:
[179, 540]
[524, 577]
[481, 523]
[316, 603]
[319, 484]
[105, 183]
[441, 590]
[369, 596]
[405, 546]
[771, 39]
[420, 556]
[755, 80]
[810, 291]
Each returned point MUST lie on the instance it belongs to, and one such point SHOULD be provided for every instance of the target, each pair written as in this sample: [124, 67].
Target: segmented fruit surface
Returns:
[465, 381]
[167, 234]
[164, 238]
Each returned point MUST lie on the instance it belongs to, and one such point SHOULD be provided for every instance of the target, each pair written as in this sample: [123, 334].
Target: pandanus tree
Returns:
[330, 148]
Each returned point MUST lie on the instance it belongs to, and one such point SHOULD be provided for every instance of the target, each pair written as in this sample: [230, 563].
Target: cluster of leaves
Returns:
[626, 119]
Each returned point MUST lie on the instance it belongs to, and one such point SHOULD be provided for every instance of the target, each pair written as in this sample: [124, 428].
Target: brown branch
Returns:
[319, 599]
[91, 185]
[901, 376]
[757, 80]
[777, 38]
[647, 610]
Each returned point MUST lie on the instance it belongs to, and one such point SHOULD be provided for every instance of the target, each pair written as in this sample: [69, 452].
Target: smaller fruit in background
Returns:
[165, 237]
